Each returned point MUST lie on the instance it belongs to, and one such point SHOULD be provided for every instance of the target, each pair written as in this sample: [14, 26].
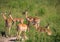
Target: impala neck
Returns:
[48, 27]
[4, 16]
[26, 14]
[11, 17]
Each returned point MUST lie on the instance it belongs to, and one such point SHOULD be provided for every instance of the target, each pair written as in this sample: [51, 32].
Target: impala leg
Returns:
[28, 24]
[24, 37]
[9, 31]
[18, 35]
[37, 25]
[6, 31]
[28, 29]
[14, 23]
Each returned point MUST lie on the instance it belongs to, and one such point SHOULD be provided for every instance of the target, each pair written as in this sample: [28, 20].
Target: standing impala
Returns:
[20, 20]
[45, 29]
[34, 20]
[8, 22]
[21, 29]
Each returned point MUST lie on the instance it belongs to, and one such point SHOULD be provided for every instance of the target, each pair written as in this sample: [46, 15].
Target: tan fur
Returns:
[21, 20]
[45, 29]
[48, 31]
[8, 23]
[21, 28]
[34, 20]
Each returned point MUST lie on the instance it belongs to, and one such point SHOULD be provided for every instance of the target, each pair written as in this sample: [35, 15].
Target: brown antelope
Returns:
[8, 22]
[21, 28]
[20, 20]
[45, 29]
[34, 20]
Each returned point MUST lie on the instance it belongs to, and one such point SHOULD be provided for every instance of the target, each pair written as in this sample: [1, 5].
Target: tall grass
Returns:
[47, 10]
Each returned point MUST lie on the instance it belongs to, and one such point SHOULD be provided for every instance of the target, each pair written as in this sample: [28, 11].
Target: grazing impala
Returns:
[8, 22]
[21, 28]
[34, 20]
[45, 29]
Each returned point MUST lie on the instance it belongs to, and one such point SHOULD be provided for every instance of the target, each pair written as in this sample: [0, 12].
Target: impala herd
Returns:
[22, 27]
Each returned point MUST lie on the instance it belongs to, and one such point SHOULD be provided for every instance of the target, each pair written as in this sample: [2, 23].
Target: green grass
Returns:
[47, 10]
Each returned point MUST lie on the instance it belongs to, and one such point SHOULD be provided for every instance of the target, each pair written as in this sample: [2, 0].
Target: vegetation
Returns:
[47, 10]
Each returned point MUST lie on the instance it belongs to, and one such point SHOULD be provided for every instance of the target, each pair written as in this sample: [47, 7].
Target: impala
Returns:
[45, 29]
[20, 20]
[34, 20]
[8, 22]
[21, 29]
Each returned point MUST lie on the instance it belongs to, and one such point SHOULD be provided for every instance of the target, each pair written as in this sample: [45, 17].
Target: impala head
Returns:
[30, 19]
[48, 31]
[4, 15]
[25, 13]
